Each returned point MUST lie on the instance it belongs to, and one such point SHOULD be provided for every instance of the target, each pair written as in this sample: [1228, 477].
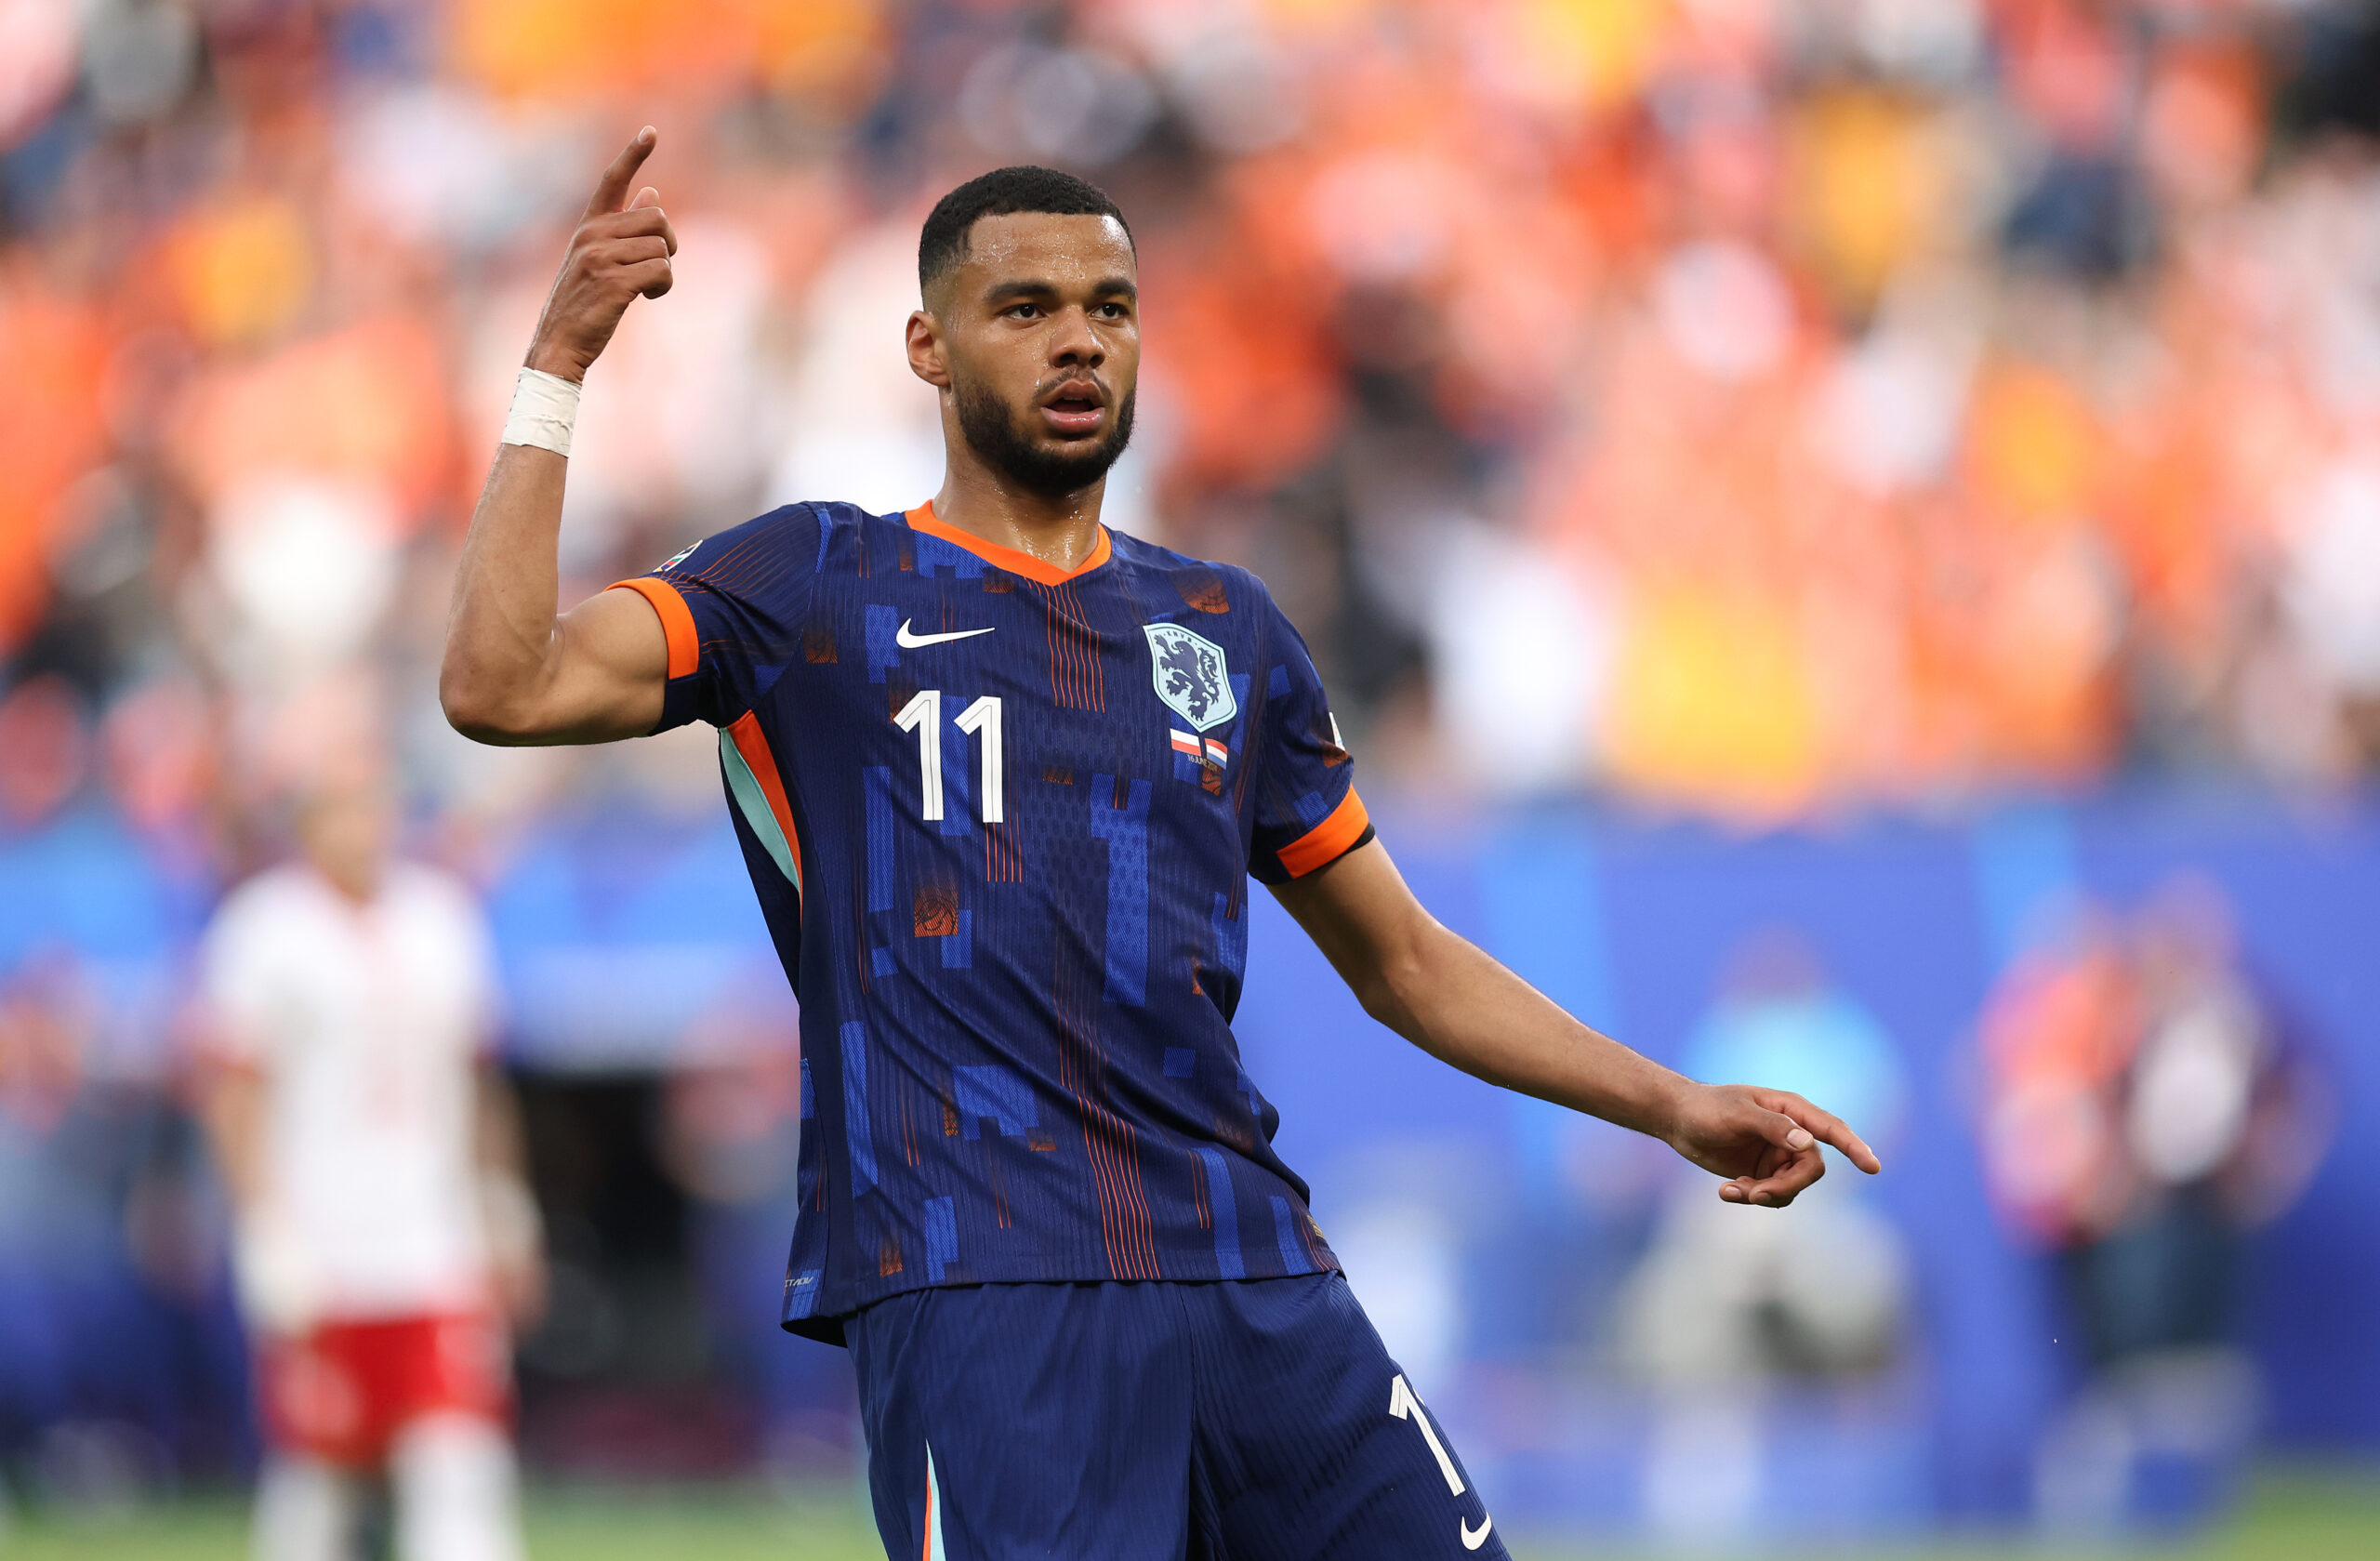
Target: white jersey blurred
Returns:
[367, 1022]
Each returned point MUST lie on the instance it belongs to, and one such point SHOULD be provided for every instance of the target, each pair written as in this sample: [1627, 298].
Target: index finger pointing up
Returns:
[612, 190]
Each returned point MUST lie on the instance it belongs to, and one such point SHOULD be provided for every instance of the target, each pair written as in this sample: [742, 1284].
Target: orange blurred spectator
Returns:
[51, 429]
[367, 404]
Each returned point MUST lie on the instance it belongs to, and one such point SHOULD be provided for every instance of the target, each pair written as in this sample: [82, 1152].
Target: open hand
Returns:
[621, 249]
[1765, 1142]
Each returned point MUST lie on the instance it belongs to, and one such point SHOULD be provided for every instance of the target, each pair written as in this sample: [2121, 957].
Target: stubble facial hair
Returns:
[990, 431]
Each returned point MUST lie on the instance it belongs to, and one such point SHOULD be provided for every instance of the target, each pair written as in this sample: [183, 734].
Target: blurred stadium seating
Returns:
[1872, 476]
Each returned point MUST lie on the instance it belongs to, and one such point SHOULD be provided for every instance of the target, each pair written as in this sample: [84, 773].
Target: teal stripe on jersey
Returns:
[1015, 1039]
[753, 803]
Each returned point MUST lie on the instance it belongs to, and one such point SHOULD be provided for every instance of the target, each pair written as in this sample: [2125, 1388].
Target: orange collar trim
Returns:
[1039, 570]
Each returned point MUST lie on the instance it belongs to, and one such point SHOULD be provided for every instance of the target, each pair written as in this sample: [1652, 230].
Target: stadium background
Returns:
[1824, 519]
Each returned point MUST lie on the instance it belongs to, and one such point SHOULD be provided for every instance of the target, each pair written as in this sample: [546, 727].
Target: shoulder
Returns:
[281, 890]
[1205, 586]
[436, 896]
[774, 545]
[257, 915]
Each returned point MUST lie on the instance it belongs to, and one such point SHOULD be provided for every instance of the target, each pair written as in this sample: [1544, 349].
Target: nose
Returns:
[1073, 344]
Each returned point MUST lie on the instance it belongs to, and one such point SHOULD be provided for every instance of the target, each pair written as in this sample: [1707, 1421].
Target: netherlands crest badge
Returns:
[1191, 674]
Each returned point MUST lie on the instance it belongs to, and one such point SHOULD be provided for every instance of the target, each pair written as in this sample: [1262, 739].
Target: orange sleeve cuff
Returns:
[677, 621]
[1329, 839]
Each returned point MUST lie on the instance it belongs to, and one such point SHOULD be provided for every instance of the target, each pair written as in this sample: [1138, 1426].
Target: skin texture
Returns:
[516, 673]
[1450, 999]
[1042, 308]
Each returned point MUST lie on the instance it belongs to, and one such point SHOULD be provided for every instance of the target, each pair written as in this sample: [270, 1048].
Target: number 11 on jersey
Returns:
[980, 720]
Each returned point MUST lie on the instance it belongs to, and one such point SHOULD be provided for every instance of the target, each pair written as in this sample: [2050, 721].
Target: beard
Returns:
[1046, 471]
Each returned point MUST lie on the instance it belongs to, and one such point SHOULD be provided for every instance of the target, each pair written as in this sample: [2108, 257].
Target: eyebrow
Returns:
[1035, 287]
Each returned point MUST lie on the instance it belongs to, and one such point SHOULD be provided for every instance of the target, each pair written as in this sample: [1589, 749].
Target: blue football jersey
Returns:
[1001, 819]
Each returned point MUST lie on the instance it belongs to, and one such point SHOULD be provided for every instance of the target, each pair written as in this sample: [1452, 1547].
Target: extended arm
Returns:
[232, 1110]
[516, 1239]
[517, 672]
[274, 1274]
[1448, 997]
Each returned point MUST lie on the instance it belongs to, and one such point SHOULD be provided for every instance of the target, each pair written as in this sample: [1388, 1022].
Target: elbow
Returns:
[1390, 991]
[1382, 1006]
[479, 712]
[1415, 982]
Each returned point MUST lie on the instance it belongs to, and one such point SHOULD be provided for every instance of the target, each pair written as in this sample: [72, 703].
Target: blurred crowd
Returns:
[1745, 406]
[2147, 1103]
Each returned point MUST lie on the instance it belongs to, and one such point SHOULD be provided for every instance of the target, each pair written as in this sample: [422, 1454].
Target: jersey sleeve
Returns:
[733, 608]
[1307, 813]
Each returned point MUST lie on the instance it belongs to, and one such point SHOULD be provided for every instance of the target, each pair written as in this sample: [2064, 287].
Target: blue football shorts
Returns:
[1254, 1420]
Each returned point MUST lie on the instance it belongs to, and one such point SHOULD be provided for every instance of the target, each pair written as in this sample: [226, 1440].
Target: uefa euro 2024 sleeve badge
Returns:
[1191, 675]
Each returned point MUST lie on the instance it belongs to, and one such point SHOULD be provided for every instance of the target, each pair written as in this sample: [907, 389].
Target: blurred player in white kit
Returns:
[384, 1236]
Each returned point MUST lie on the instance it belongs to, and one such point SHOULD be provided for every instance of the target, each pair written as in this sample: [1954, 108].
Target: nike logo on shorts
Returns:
[909, 642]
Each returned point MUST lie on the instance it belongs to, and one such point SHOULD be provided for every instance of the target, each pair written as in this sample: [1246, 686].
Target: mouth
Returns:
[1075, 409]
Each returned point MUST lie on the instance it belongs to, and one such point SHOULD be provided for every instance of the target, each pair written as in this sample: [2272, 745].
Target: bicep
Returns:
[611, 672]
[1361, 914]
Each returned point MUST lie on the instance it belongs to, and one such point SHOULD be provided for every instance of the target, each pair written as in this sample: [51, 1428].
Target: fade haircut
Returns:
[942, 246]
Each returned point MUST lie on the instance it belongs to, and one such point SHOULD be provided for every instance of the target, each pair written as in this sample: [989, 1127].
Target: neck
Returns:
[358, 885]
[1061, 529]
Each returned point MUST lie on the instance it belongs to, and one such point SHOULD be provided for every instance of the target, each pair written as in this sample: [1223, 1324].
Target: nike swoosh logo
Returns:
[909, 642]
[1472, 1541]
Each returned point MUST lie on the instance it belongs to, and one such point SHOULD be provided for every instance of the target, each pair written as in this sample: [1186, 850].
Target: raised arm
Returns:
[516, 671]
[1451, 999]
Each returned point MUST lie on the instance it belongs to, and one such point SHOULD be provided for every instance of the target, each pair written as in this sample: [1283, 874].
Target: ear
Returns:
[926, 359]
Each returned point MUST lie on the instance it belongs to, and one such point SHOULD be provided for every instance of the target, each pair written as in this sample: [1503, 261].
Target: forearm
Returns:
[508, 1209]
[231, 1111]
[1452, 1000]
[1455, 1002]
[517, 670]
[499, 1143]
[503, 633]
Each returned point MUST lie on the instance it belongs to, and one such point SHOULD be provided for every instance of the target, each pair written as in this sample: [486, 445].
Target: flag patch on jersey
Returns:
[1202, 750]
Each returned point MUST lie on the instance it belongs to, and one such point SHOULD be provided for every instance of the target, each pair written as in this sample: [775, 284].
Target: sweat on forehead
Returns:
[942, 246]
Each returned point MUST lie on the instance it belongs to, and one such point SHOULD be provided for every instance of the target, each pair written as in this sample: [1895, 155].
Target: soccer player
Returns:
[1002, 777]
[382, 1226]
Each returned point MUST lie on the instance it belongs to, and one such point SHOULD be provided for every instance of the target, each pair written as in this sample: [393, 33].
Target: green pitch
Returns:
[2299, 1516]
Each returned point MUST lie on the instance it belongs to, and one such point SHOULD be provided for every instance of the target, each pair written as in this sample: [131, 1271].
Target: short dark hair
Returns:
[942, 246]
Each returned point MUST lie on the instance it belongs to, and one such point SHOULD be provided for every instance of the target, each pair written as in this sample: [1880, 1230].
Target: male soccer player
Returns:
[383, 1226]
[1001, 777]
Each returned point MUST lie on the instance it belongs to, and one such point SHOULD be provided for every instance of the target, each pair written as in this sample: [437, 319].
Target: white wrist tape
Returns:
[544, 408]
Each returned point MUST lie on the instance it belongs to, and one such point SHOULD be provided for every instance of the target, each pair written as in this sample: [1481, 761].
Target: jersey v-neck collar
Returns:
[1041, 571]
